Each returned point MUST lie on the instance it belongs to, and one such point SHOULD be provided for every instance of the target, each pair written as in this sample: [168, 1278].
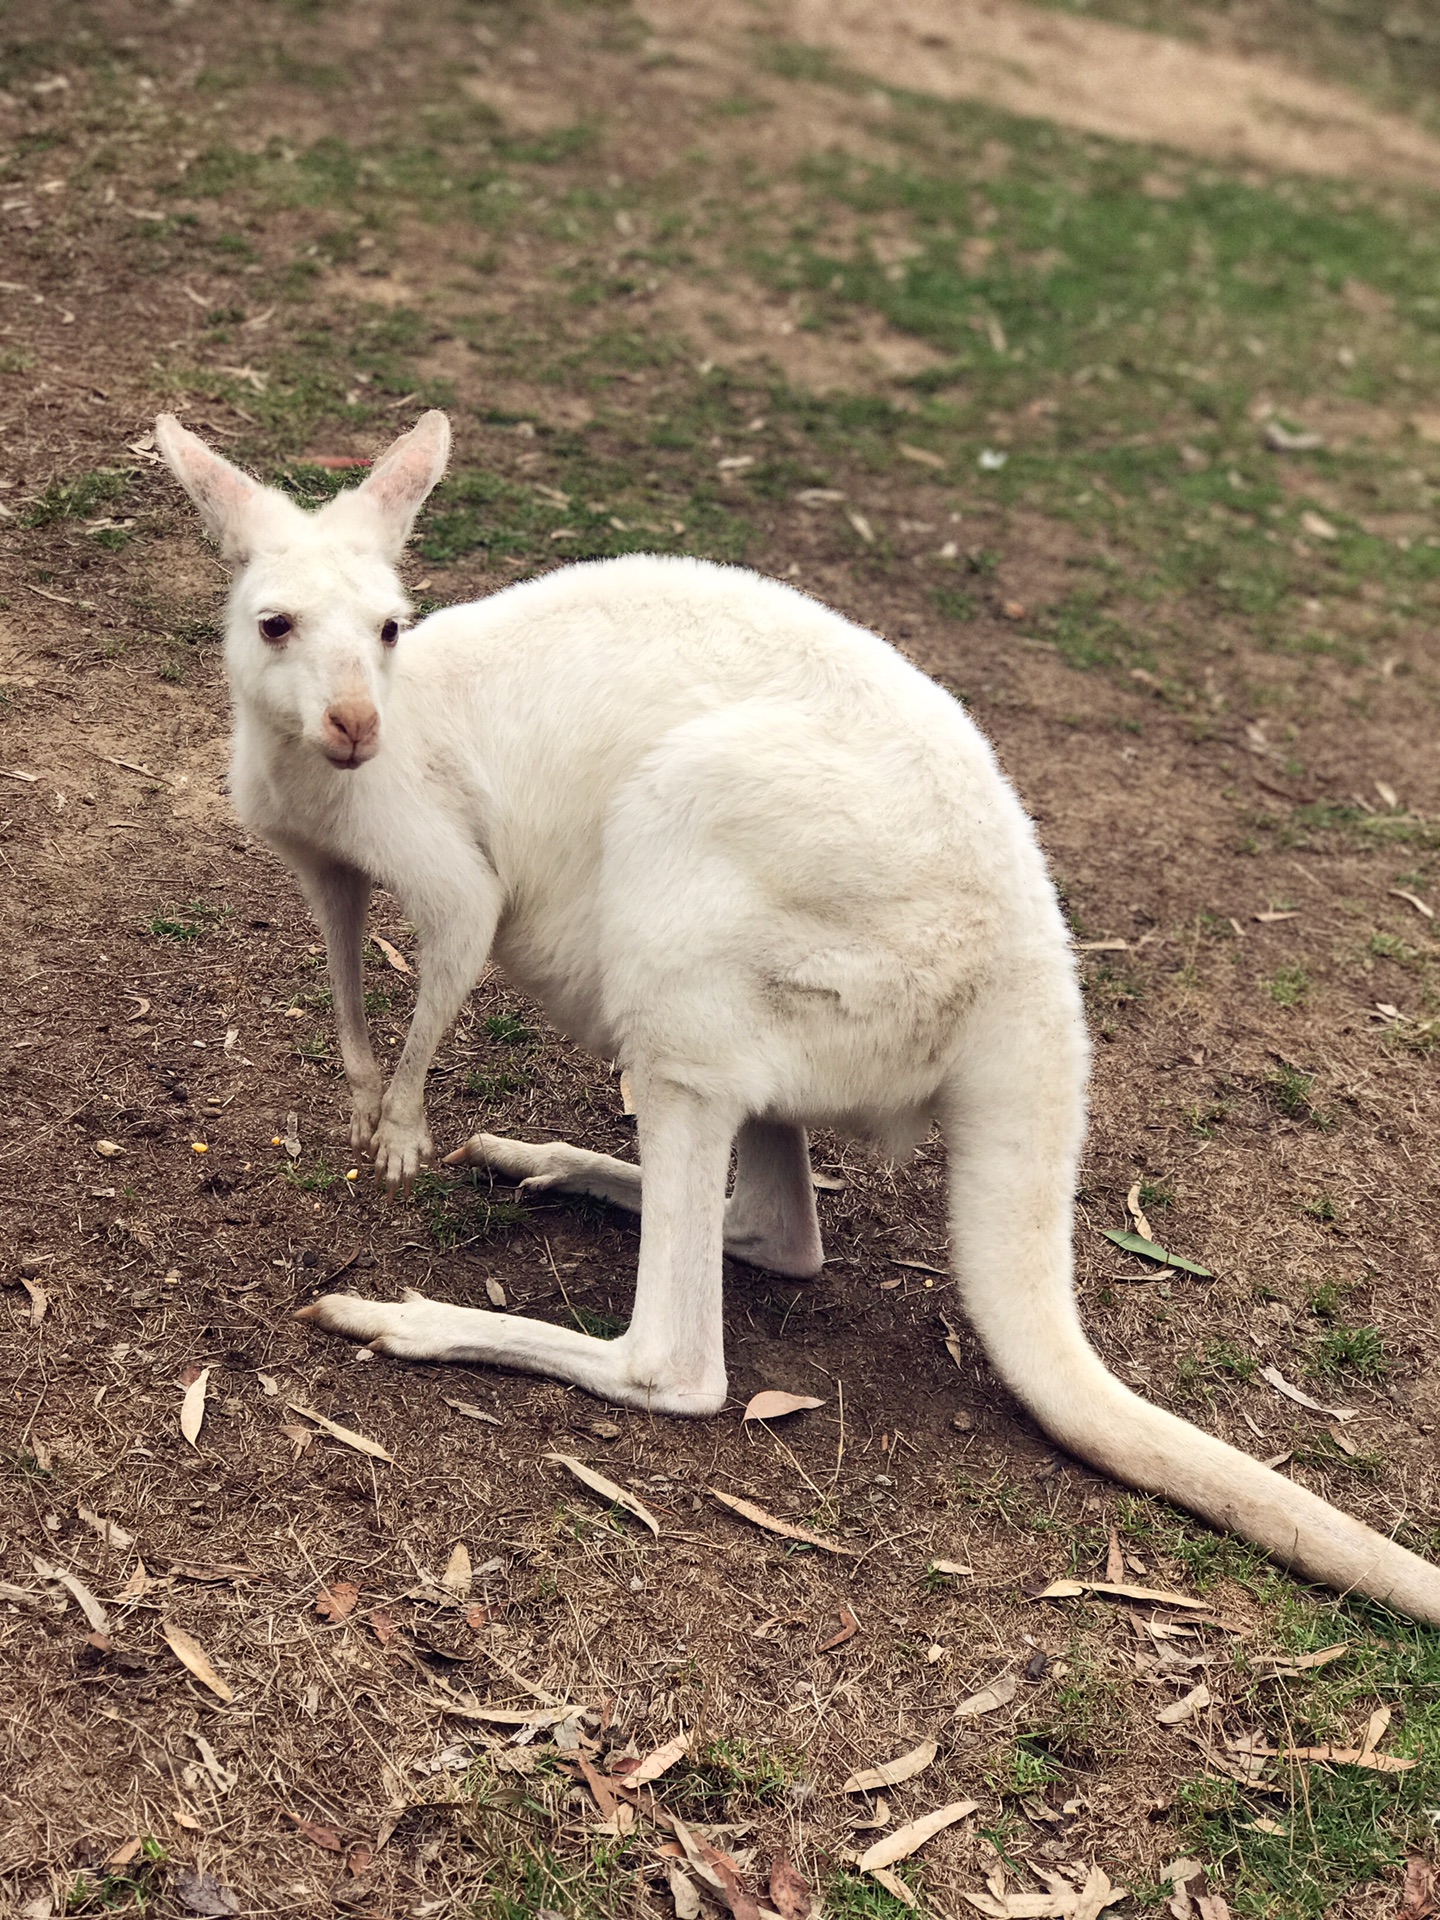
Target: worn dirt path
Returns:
[1088, 74]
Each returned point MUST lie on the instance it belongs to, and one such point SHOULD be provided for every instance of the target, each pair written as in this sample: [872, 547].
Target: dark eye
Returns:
[390, 632]
[275, 626]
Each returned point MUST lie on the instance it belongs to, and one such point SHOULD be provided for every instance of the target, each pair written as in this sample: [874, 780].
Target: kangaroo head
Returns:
[316, 608]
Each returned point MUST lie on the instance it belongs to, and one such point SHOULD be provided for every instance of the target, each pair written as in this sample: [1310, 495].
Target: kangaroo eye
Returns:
[390, 632]
[275, 626]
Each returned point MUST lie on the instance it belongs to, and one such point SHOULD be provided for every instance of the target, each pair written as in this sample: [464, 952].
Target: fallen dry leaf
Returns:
[1097, 1894]
[773, 1404]
[1274, 914]
[457, 1576]
[189, 1652]
[1061, 1902]
[393, 955]
[1374, 1730]
[358, 1860]
[758, 1517]
[683, 1892]
[849, 1627]
[790, 1895]
[495, 1293]
[382, 1625]
[872, 1822]
[79, 1592]
[601, 1790]
[137, 1585]
[998, 1694]
[895, 1887]
[472, 1412]
[346, 1435]
[1415, 901]
[1340, 1757]
[905, 1840]
[1418, 1901]
[323, 1836]
[1181, 1710]
[1304, 1662]
[1303, 1399]
[338, 1600]
[922, 456]
[39, 1299]
[515, 1716]
[607, 1489]
[290, 1139]
[1120, 1590]
[110, 1531]
[891, 1772]
[718, 1871]
[658, 1761]
[192, 1406]
[1317, 526]
[202, 1893]
[299, 1437]
[1136, 1213]
[1114, 1561]
[953, 1567]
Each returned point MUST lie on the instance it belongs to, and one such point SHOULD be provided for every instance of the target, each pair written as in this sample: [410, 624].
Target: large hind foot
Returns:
[628, 1371]
[552, 1167]
[770, 1219]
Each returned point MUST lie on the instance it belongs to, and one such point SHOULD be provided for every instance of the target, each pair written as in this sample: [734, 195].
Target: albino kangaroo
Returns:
[741, 845]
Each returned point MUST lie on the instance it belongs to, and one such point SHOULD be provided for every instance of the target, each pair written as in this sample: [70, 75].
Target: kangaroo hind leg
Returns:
[770, 1219]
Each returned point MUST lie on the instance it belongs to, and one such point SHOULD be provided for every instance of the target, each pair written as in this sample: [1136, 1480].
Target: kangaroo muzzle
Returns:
[351, 732]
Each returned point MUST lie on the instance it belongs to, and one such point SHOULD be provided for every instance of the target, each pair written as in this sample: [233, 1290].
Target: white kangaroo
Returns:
[739, 844]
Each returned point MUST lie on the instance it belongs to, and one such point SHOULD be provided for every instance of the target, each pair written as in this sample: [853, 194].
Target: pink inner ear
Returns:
[401, 480]
[222, 486]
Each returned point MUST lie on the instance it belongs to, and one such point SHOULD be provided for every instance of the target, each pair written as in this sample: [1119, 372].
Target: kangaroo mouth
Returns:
[348, 762]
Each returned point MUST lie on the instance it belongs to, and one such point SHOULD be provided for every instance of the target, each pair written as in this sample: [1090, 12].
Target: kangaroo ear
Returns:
[228, 500]
[397, 486]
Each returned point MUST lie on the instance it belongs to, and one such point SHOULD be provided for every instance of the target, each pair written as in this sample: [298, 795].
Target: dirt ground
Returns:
[262, 1671]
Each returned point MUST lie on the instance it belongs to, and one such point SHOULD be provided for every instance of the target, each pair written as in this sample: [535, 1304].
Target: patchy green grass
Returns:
[851, 1896]
[315, 1176]
[455, 1212]
[1288, 985]
[1340, 1826]
[732, 1777]
[1351, 1350]
[78, 499]
[188, 924]
[509, 1029]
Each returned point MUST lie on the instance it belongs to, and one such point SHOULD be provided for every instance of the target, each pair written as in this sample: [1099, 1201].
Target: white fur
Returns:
[738, 843]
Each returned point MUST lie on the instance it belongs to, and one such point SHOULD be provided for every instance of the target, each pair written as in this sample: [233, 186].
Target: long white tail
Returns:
[1015, 1120]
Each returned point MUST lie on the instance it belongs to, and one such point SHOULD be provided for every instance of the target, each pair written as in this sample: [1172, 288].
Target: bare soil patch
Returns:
[1098, 76]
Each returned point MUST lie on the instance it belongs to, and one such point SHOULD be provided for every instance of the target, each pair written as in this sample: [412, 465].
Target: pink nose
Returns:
[352, 728]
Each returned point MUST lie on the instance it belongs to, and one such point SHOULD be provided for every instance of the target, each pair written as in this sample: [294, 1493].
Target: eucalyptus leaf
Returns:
[1133, 1243]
